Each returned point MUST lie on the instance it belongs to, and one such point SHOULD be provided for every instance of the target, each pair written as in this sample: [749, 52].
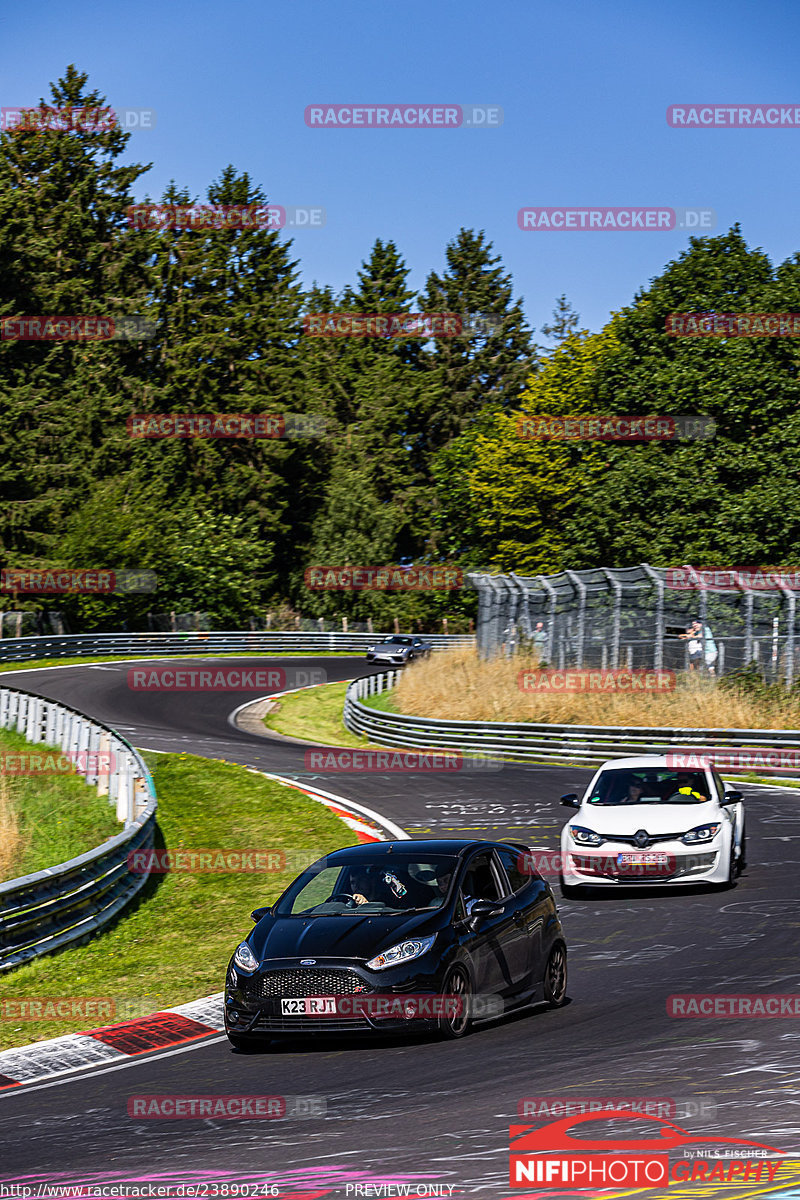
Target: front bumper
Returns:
[606, 865]
[397, 659]
[366, 1001]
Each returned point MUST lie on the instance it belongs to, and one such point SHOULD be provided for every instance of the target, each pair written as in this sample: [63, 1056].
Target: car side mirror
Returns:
[483, 909]
[570, 800]
[732, 797]
[258, 913]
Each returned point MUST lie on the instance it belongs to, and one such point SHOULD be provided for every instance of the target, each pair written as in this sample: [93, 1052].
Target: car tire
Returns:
[456, 983]
[555, 976]
[730, 881]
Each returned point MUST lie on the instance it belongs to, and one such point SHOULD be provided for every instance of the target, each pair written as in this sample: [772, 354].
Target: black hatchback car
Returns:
[399, 936]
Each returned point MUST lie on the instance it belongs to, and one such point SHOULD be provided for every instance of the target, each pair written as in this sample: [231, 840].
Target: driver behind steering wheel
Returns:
[362, 886]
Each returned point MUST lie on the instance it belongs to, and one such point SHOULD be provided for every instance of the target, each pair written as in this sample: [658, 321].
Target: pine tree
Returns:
[487, 370]
[62, 212]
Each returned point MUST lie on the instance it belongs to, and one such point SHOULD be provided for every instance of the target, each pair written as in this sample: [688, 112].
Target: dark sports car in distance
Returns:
[399, 936]
[399, 649]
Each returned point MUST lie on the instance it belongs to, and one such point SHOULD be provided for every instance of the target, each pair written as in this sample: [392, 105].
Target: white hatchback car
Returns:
[643, 821]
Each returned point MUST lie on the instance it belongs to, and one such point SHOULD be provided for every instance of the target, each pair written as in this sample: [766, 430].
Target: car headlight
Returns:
[703, 833]
[244, 958]
[402, 952]
[585, 837]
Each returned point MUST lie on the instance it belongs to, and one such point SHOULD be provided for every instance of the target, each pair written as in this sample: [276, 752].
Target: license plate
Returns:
[643, 860]
[309, 1006]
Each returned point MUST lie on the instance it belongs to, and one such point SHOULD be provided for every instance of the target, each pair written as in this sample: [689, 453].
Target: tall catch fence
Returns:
[637, 617]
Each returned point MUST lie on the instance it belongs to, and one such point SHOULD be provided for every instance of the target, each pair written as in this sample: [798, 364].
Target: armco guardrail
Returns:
[583, 744]
[50, 909]
[265, 642]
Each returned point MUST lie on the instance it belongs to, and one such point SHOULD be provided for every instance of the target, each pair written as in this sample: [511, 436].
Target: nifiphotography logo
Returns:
[553, 1156]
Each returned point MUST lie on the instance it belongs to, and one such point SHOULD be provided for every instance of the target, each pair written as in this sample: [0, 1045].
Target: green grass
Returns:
[315, 715]
[383, 701]
[58, 816]
[174, 945]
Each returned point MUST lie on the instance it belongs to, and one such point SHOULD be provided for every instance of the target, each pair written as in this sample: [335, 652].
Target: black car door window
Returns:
[480, 882]
[511, 860]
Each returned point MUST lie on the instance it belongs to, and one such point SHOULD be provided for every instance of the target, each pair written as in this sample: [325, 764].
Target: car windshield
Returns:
[649, 785]
[400, 884]
[397, 641]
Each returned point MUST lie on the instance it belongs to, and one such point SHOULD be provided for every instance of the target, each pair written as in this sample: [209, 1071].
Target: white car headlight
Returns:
[244, 958]
[703, 833]
[585, 837]
[402, 952]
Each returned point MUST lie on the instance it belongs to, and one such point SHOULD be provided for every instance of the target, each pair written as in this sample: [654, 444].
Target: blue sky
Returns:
[583, 84]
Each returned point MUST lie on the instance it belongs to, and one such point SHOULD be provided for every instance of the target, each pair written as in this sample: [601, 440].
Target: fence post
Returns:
[791, 602]
[580, 588]
[658, 655]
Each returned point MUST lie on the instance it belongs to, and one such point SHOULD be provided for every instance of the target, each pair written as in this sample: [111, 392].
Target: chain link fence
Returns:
[640, 617]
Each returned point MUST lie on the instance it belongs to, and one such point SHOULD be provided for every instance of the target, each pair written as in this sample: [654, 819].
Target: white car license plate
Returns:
[643, 860]
[309, 1006]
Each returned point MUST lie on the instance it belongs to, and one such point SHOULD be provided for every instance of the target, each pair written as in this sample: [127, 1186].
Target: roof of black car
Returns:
[415, 846]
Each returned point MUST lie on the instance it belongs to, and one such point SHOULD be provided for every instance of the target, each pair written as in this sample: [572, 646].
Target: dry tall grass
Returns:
[457, 685]
[11, 841]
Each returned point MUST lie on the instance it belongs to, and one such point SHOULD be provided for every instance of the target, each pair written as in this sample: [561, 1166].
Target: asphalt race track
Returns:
[425, 1111]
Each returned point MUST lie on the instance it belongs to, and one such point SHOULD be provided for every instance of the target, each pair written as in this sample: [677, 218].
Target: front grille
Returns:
[272, 1023]
[310, 981]
[652, 838]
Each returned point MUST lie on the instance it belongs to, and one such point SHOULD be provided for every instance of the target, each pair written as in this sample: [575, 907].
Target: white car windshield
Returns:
[649, 785]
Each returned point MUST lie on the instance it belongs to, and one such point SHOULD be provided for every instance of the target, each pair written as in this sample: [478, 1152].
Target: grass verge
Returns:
[174, 944]
[315, 715]
[47, 819]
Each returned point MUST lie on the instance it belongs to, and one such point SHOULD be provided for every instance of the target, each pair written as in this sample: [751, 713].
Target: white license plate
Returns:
[643, 860]
[309, 1006]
